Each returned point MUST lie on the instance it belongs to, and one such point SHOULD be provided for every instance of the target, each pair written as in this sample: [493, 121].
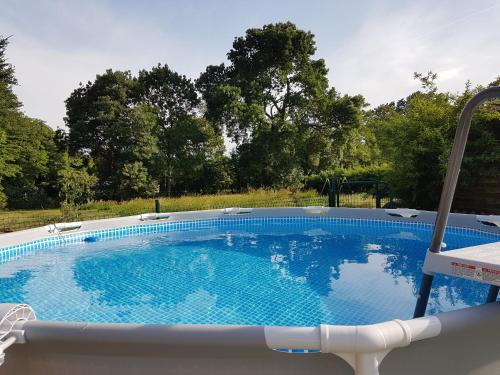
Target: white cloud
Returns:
[450, 74]
[379, 60]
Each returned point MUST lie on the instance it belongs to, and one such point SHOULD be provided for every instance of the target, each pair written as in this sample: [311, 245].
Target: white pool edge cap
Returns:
[403, 212]
[153, 216]
[237, 210]
[278, 337]
[363, 346]
[489, 220]
[316, 210]
[62, 227]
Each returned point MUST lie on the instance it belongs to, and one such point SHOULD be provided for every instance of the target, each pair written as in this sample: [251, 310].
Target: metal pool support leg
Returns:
[423, 295]
[493, 293]
[450, 183]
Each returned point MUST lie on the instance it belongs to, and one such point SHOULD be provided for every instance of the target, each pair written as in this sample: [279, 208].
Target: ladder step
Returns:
[478, 263]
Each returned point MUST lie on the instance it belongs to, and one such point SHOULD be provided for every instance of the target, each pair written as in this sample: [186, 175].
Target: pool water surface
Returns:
[300, 272]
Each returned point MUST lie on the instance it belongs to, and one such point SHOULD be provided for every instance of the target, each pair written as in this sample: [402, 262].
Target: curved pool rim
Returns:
[288, 338]
[38, 238]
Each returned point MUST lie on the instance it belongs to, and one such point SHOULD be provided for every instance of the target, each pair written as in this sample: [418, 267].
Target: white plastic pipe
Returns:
[363, 347]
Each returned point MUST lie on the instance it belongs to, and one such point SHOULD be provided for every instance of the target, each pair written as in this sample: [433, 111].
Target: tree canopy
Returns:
[274, 102]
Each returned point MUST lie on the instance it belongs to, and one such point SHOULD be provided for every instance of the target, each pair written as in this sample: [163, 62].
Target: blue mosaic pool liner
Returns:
[29, 248]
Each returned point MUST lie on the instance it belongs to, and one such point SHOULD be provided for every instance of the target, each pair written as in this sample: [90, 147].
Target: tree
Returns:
[9, 105]
[482, 154]
[135, 181]
[3, 165]
[76, 183]
[334, 134]
[27, 150]
[272, 100]
[194, 155]
[32, 180]
[416, 134]
[188, 145]
[8, 100]
[172, 94]
[104, 121]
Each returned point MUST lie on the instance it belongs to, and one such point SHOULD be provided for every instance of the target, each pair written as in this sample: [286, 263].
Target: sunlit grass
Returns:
[256, 198]
[24, 219]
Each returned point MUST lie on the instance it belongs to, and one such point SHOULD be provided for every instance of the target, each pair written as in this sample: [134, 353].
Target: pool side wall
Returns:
[468, 344]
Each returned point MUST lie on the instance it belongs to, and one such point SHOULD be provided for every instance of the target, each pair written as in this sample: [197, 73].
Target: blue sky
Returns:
[371, 47]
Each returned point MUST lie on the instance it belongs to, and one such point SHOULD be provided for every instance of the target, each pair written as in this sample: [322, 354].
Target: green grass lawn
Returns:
[24, 219]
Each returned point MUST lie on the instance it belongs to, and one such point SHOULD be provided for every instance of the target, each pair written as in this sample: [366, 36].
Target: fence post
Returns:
[378, 201]
[332, 195]
[157, 206]
[337, 191]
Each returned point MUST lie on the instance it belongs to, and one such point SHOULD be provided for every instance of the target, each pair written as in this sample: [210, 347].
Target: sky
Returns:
[370, 47]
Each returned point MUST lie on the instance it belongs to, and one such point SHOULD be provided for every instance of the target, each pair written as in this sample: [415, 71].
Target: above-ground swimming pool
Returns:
[294, 280]
[285, 271]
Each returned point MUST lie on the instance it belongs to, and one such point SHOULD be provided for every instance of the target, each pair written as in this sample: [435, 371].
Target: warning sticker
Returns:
[463, 269]
[489, 275]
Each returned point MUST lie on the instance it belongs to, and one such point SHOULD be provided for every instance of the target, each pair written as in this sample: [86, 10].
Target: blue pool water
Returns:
[301, 272]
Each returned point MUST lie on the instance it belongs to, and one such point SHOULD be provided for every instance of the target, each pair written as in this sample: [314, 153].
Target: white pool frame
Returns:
[469, 336]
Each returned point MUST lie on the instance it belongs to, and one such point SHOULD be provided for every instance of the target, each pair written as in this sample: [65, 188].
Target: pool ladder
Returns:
[447, 194]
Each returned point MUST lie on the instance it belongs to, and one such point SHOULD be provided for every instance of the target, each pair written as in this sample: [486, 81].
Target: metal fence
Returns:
[10, 222]
[19, 220]
[360, 194]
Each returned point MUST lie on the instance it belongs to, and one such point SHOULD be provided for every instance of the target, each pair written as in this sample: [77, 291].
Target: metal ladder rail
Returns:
[450, 183]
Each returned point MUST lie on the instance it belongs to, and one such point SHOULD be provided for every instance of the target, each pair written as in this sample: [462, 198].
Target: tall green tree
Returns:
[8, 105]
[32, 182]
[104, 121]
[172, 94]
[272, 100]
[4, 157]
[76, 184]
[8, 100]
[135, 181]
[28, 156]
[188, 145]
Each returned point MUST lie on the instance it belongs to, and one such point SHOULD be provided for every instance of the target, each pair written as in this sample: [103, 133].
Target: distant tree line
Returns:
[161, 133]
